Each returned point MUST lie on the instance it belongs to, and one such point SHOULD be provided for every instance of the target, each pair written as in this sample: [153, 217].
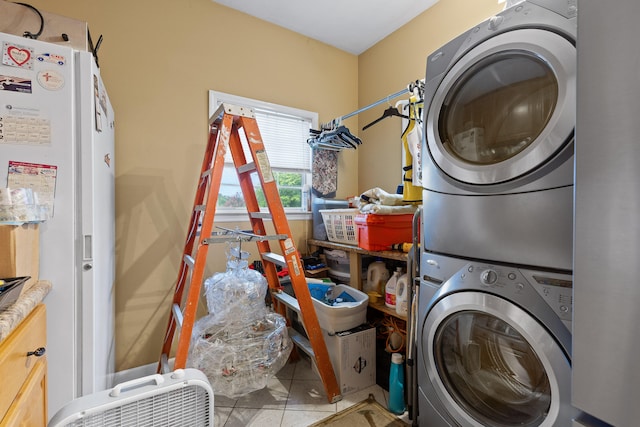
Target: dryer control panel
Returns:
[555, 289]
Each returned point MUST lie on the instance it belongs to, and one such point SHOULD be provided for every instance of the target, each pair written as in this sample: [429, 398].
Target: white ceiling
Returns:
[350, 25]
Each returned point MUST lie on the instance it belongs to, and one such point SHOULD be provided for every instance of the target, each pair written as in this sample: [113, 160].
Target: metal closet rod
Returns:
[407, 89]
[375, 104]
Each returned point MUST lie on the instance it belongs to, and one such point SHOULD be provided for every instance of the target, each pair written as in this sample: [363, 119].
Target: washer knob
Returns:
[488, 277]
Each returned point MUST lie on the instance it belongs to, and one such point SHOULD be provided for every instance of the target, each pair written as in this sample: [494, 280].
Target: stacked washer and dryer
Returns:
[495, 296]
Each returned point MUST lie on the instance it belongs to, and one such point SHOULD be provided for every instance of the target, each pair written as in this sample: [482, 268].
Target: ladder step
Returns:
[248, 168]
[277, 259]
[189, 260]
[287, 300]
[177, 314]
[219, 237]
[301, 342]
[261, 215]
[164, 364]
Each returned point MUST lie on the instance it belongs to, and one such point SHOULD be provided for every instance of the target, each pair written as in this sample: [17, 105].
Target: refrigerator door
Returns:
[55, 114]
[97, 237]
[39, 128]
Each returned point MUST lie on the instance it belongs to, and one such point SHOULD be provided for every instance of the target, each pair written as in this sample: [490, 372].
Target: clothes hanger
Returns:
[335, 137]
[389, 112]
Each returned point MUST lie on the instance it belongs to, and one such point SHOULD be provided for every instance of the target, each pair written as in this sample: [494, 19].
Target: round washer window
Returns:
[498, 107]
[491, 371]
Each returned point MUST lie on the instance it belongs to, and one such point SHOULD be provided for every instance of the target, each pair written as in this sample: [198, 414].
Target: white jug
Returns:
[402, 295]
[377, 276]
[390, 288]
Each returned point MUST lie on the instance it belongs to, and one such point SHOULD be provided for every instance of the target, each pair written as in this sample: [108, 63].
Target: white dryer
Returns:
[500, 103]
[493, 345]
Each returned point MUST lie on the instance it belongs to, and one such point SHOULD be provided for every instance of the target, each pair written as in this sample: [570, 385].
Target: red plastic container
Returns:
[379, 232]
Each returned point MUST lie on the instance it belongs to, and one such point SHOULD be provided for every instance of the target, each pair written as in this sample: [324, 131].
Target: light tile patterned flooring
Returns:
[295, 397]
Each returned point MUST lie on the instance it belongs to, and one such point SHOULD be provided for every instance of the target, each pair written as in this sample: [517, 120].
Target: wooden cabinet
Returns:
[23, 373]
[356, 255]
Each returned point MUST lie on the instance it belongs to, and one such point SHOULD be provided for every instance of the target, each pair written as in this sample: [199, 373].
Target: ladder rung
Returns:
[235, 236]
[261, 215]
[177, 314]
[249, 167]
[301, 342]
[164, 364]
[274, 258]
[188, 259]
[287, 300]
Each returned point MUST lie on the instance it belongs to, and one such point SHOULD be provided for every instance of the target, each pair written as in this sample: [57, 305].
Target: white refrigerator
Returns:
[57, 134]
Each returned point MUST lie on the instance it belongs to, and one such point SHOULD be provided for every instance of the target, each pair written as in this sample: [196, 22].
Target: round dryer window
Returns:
[498, 107]
[491, 370]
[490, 363]
[505, 108]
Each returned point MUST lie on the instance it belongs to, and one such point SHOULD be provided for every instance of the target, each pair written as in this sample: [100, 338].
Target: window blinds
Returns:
[284, 137]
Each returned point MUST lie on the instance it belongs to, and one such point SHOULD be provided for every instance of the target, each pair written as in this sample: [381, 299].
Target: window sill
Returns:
[243, 216]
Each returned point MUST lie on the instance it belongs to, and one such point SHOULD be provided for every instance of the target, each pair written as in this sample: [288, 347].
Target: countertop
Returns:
[16, 313]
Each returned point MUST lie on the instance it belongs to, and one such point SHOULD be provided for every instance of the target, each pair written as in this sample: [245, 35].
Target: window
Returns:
[284, 132]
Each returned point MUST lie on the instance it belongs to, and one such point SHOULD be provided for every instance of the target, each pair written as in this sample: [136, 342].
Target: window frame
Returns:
[215, 99]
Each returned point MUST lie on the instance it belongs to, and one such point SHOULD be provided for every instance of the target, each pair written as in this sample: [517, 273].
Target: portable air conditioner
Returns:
[180, 398]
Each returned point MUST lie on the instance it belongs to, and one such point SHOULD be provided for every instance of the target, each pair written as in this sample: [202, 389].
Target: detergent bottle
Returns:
[377, 276]
[390, 288]
[402, 295]
[396, 385]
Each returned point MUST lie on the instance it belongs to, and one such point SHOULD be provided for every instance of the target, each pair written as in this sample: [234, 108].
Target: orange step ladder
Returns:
[224, 135]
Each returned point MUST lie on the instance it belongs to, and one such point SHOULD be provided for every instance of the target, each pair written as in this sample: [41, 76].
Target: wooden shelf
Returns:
[386, 310]
[398, 256]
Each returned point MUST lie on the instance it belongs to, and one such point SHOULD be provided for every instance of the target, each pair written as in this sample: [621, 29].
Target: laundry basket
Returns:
[340, 225]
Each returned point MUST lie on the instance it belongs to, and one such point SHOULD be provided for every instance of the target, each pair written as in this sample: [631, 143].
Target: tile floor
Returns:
[295, 397]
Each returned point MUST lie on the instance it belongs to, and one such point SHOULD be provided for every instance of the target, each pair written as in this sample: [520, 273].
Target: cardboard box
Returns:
[353, 355]
[16, 19]
[20, 252]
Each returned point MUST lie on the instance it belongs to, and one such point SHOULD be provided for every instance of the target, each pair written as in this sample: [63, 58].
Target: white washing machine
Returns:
[493, 345]
[500, 105]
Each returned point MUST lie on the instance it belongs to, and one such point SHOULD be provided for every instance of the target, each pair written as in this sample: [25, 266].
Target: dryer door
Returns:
[492, 364]
[504, 108]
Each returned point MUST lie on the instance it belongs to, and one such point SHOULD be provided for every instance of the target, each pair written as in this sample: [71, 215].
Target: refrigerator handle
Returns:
[87, 250]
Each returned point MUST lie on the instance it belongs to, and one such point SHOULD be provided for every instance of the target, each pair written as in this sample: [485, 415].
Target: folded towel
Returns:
[380, 197]
[387, 210]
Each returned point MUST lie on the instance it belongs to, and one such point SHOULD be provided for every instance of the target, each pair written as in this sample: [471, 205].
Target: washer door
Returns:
[492, 364]
[505, 107]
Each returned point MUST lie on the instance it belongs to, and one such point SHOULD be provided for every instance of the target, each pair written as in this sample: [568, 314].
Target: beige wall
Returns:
[159, 59]
[389, 66]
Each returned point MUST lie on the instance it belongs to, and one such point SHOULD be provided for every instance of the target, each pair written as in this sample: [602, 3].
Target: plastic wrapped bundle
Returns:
[237, 360]
[240, 344]
[236, 296]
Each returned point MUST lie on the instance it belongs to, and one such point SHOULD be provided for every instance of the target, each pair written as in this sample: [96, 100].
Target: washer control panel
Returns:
[556, 289]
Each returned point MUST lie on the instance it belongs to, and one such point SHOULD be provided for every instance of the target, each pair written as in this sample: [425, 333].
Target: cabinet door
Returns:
[16, 365]
[30, 407]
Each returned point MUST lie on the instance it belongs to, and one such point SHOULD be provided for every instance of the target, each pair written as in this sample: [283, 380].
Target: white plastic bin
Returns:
[338, 262]
[344, 315]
